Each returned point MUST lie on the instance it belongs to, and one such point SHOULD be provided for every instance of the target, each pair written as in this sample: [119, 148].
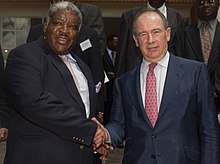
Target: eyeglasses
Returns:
[207, 1]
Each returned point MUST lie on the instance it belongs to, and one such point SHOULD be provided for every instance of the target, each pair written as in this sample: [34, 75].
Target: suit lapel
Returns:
[193, 37]
[91, 85]
[174, 75]
[67, 77]
[135, 94]
[215, 49]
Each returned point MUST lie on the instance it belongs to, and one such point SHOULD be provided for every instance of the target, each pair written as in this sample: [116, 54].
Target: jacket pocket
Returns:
[193, 155]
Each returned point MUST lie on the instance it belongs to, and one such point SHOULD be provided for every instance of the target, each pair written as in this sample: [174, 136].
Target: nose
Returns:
[64, 28]
[150, 38]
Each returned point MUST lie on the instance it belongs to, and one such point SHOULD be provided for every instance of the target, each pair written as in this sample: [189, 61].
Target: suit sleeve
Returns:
[116, 126]
[44, 108]
[209, 128]
[122, 46]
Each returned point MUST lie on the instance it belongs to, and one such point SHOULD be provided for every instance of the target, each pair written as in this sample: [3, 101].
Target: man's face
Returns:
[62, 30]
[112, 45]
[156, 3]
[207, 9]
[151, 36]
[55, 1]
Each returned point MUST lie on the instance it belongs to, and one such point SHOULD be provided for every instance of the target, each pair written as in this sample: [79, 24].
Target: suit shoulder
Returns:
[88, 6]
[135, 71]
[133, 11]
[175, 12]
[187, 62]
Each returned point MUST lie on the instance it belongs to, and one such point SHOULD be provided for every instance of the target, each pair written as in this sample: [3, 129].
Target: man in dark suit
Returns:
[53, 96]
[4, 106]
[188, 43]
[128, 55]
[109, 67]
[176, 123]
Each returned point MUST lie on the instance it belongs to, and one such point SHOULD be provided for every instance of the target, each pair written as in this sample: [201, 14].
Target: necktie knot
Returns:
[64, 58]
[205, 25]
[152, 66]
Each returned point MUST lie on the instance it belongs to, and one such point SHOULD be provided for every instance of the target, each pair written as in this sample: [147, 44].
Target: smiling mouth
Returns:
[63, 39]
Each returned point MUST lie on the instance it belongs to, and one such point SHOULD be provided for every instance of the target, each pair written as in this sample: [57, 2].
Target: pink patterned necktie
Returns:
[205, 41]
[151, 107]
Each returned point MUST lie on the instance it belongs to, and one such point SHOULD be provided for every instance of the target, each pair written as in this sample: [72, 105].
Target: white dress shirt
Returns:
[160, 72]
[162, 9]
[80, 81]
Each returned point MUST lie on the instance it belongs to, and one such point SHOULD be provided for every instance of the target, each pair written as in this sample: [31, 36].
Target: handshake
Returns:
[101, 141]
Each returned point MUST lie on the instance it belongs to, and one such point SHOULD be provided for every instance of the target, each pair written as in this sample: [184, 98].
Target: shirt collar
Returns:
[70, 57]
[163, 62]
[110, 51]
[212, 23]
[162, 9]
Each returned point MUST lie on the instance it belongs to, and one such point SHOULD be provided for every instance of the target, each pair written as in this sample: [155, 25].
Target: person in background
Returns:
[5, 109]
[128, 55]
[53, 96]
[163, 108]
[109, 64]
[87, 48]
[188, 41]
[92, 18]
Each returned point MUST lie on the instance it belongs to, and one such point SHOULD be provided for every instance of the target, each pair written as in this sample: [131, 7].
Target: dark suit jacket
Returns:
[187, 44]
[91, 56]
[92, 17]
[4, 106]
[187, 130]
[48, 124]
[108, 67]
[128, 55]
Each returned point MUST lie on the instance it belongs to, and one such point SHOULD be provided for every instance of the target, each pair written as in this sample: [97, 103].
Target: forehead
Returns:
[64, 13]
[149, 18]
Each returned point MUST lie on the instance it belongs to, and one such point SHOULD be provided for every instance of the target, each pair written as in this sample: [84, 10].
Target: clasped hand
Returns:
[100, 140]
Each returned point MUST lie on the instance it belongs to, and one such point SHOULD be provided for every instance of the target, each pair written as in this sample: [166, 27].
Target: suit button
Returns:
[154, 136]
[153, 156]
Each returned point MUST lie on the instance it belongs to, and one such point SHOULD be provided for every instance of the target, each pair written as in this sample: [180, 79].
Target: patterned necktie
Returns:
[151, 107]
[205, 41]
[113, 58]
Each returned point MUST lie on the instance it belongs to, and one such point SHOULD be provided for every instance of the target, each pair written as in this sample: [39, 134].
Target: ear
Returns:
[136, 41]
[168, 34]
[45, 27]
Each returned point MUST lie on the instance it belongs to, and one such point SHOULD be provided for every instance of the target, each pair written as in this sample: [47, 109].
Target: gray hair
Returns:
[64, 5]
[165, 22]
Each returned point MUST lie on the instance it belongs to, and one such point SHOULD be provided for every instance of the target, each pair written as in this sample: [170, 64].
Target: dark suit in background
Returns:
[128, 55]
[187, 44]
[187, 40]
[92, 17]
[108, 67]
